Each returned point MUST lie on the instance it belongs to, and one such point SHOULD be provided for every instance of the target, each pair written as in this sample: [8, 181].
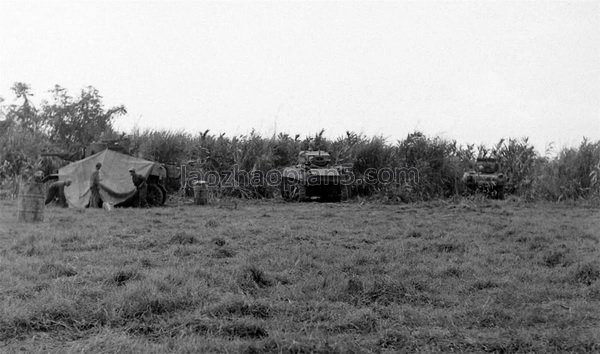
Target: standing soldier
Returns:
[95, 187]
[57, 191]
[141, 186]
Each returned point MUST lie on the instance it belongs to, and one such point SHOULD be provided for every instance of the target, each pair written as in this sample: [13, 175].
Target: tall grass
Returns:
[572, 174]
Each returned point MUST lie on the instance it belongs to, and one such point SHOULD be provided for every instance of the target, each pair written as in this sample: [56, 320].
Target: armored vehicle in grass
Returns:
[486, 178]
[315, 177]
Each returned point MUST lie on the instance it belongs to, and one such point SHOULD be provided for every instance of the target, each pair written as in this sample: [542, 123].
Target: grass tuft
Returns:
[556, 258]
[385, 292]
[239, 308]
[395, 340]
[489, 317]
[586, 273]
[363, 320]
[282, 346]
[219, 241]
[236, 329]
[354, 287]
[538, 243]
[244, 330]
[125, 275]
[223, 253]
[382, 291]
[452, 272]
[593, 292]
[446, 247]
[484, 284]
[413, 233]
[145, 300]
[250, 277]
[211, 223]
[182, 239]
[56, 270]
[146, 262]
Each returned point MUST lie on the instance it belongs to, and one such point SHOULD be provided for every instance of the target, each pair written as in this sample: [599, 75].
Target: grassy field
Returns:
[467, 276]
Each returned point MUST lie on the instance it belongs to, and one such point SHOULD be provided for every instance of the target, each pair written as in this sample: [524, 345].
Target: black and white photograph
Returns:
[299, 176]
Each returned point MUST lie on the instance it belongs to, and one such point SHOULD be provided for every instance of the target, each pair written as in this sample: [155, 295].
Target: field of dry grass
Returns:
[468, 276]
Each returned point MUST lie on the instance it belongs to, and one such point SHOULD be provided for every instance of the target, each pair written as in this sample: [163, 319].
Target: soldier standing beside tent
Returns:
[141, 186]
[95, 187]
[57, 191]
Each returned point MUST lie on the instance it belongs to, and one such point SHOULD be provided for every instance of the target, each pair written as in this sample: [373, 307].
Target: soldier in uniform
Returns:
[95, 201]
[57, 191]
[141, 186]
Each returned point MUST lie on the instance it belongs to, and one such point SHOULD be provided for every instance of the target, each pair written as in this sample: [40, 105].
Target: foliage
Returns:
[74, 122]
[24, 115]
[440, 164]
[21, 135]
[573, 174]
[163, 146]
[67, 123]
[518, 160]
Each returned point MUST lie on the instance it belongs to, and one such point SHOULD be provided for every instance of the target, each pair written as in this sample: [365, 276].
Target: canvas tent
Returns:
[115, 181]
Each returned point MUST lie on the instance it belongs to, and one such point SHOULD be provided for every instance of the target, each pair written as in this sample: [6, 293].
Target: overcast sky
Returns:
[470, 71]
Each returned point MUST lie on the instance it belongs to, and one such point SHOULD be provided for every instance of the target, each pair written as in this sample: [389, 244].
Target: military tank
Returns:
[486, 178]
[314, 178]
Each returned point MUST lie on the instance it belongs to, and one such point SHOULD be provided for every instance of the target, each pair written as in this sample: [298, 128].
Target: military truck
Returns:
[157, 193]
[119, 145]
[315, 178]
[486, 178]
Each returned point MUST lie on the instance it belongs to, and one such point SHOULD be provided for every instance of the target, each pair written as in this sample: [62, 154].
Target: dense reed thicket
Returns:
[571, 174]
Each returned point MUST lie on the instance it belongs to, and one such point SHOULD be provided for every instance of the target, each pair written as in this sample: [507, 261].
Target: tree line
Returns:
[67, 123]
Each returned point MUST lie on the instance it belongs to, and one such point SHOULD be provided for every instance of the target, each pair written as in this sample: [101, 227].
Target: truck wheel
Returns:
[345, 193]
[500, 192]
[154, 196]
[335, 194]
[301, 189]
[164, 193]
[285, 190]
